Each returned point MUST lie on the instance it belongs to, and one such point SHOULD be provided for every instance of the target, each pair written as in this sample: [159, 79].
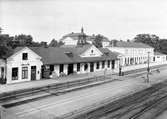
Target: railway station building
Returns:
[35, 63]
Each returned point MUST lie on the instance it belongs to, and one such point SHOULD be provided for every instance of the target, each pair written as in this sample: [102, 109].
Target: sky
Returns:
[115, 19]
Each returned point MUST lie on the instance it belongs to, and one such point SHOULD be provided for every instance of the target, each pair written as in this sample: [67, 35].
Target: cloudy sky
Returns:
[116, 19]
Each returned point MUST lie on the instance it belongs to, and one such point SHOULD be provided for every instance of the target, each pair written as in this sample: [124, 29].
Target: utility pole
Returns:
[120, 67]
[148, 67]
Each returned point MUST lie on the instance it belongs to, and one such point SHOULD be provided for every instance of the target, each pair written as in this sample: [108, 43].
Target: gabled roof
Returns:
[130, 44]
[17, 49]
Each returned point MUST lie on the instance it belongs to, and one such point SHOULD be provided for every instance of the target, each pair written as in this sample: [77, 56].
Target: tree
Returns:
[60, 43]
[148, 39]
[5, 51]
[98, 41]
[53, 43]
[23, 40]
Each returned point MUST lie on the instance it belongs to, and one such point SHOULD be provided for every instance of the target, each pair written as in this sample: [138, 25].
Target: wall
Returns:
[69, 41]
[88, 53]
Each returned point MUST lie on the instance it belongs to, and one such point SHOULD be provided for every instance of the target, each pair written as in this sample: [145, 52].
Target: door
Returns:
[33, 72]
[70, 69]
[91, 67]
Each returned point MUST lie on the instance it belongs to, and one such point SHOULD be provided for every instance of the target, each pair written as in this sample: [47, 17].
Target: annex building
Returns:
[35, 63]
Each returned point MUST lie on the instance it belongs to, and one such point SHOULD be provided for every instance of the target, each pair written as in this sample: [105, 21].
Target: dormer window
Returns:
[70, 54]
[25, 56]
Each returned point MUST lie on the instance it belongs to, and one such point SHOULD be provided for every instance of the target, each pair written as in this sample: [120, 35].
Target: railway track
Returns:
[146, 104]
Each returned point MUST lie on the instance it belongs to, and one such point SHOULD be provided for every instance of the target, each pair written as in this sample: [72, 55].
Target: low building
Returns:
[79, 59]
[34, 63]
[132, 53]
[159, 57]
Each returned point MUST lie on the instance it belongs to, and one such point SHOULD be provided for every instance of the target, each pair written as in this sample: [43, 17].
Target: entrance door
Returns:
[33, 72]
[91, 67]
[70, 69]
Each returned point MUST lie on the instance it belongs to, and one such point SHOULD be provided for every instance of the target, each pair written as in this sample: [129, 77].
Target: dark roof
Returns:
[130, 44]
[53, 55]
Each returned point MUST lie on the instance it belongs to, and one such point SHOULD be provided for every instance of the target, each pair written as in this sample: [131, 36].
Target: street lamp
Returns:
[148, 67]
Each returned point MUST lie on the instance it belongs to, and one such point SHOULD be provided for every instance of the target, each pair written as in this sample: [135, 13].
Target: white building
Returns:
[22, 65]
[73, 39]
[34, 63]
[132, 53]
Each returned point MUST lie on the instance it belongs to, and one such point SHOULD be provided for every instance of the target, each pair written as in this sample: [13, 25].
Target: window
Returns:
[25, 56]
[91, 51]
[15, 73]
[97, 65]
[153, 58]
[24, 72]
[78, 66]
[108, 64]
[103, 64]
[2, 72]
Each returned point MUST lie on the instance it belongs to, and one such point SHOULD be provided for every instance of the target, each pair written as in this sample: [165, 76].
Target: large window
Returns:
[15, 73]
[25, 56]
[97, 65]
[24, 72]
[78, 66]
[2, 72]
[103, 64]
[108, 63]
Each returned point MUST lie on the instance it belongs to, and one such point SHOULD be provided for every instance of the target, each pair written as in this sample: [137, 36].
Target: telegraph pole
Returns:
[148, 67]
[120, 67]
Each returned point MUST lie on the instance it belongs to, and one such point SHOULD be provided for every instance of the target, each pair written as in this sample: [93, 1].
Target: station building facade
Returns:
[132, 53]
[35, 63]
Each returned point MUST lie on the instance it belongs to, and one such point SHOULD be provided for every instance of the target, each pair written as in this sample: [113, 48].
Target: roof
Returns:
[158, 53]
[55, 55]
[130, 44]
[75, 36]
[64, 55]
